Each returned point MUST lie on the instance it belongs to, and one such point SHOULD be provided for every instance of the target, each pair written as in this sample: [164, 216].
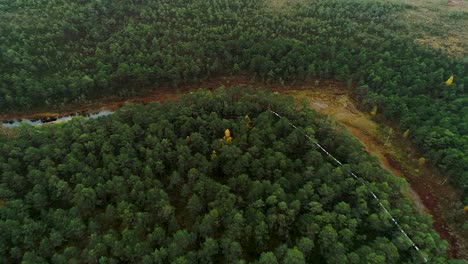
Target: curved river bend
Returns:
[52, 120]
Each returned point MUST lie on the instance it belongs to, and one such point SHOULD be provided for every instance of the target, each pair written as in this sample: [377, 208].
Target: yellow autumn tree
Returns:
[227, 136]
[374, 111]
[422, 161]
[406, 134]
[449, 81]
[247, 121]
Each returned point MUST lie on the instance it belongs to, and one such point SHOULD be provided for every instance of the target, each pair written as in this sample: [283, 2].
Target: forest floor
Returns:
[429, 191]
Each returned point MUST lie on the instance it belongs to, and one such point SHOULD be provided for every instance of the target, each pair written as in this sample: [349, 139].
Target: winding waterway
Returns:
[51, 120]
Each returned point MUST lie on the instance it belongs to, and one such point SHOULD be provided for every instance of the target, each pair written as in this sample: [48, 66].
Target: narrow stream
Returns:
[51, 120]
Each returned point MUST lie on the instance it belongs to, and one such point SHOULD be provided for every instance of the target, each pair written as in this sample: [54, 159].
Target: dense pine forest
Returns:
[166, 183]
[216, 177]
[56, 52]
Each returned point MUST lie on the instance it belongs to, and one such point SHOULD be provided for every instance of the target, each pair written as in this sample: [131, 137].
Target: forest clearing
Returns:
[439, 24]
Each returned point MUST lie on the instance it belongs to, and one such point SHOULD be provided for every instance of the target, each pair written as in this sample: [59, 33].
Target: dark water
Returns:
[49, 120]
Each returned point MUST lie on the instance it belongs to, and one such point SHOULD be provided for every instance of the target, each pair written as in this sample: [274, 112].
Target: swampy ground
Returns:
[429, 190]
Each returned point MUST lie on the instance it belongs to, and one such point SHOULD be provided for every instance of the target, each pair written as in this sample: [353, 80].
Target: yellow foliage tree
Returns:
[422, 161]
[374, 111]
[449, 81]
[247, 121]
[406, 134]
[227, 136]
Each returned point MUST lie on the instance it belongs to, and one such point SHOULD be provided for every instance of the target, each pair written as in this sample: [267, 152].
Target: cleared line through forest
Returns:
[367, 187]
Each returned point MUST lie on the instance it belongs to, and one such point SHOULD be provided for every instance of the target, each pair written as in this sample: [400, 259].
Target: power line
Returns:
[366, 185]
